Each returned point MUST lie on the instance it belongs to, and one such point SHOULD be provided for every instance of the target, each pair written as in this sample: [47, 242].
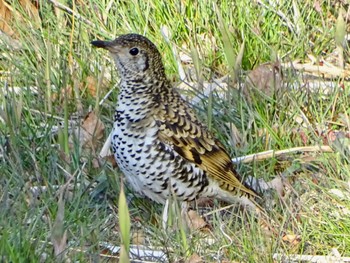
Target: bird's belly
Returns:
[145, 168]
[152, 170]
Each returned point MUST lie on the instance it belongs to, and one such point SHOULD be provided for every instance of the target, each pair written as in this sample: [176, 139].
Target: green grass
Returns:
[57, 58]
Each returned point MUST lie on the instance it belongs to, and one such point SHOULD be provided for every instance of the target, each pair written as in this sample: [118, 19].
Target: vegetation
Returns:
[59, 200]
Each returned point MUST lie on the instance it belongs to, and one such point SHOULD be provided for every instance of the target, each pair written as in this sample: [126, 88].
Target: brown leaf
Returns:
[9, 15]
[265, 79]
[111, 160]
[138, 237]
[90, 132]
[88, 87]
[95, 163]
[194, 258]
[277, 184]
[194, 221]
[292, 239]
[304, 137]
[6, 17]
[32, 10]
[91, 85]
[67, 92]
[237, 138]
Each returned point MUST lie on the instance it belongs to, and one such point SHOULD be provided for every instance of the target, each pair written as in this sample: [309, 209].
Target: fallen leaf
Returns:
[265, 79]
[90, 132]
[278, 185]
[67, 92]
[95, 163]
[304, 137]
[237, 138]
[194, 258]
[88, 86]
[138, 237]
[91, 84]
[10, 15]
[6, 17]
[194, 221]
[292, 239]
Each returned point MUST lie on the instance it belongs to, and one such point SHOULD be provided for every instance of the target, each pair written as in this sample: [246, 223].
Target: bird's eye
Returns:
[134, 51]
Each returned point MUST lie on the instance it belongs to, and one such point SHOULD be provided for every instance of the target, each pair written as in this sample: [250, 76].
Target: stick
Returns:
[272, 153]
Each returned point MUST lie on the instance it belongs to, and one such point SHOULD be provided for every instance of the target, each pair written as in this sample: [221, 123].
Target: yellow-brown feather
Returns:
[190, 139]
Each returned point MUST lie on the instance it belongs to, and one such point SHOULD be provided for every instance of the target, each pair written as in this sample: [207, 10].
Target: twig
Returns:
[326, 70]
[272, 153]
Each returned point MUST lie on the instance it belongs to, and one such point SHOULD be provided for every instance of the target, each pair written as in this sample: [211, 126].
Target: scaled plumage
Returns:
[158, 142]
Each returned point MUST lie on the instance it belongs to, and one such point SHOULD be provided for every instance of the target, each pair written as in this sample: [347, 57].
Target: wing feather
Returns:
[189, 138]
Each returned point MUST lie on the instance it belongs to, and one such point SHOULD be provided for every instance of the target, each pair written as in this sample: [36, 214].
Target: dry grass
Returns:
[57, 195]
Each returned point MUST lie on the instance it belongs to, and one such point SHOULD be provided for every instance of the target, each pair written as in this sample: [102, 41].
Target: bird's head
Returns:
[135, 56]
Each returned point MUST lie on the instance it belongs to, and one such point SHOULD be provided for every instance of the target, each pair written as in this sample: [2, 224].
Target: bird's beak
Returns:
[109, 45]
[101, 44]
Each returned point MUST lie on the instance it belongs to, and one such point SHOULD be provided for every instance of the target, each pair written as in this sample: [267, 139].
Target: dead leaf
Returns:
[6, 16]
[194, 221]
[10, 15]
[291, 239]
[91, 131]
[112, 161]
[237, 139]
[138, 237]
[32, 10]
[278, 185]
[95, 163]
[303, 136]
[64, 93]
[194, 258]
[87, 87]
[265, 79]
[91, 84]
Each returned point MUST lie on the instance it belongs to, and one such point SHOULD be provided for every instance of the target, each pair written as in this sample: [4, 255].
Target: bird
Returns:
[158, 142]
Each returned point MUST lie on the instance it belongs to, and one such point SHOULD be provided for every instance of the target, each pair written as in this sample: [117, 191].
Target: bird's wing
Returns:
[180, 129]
